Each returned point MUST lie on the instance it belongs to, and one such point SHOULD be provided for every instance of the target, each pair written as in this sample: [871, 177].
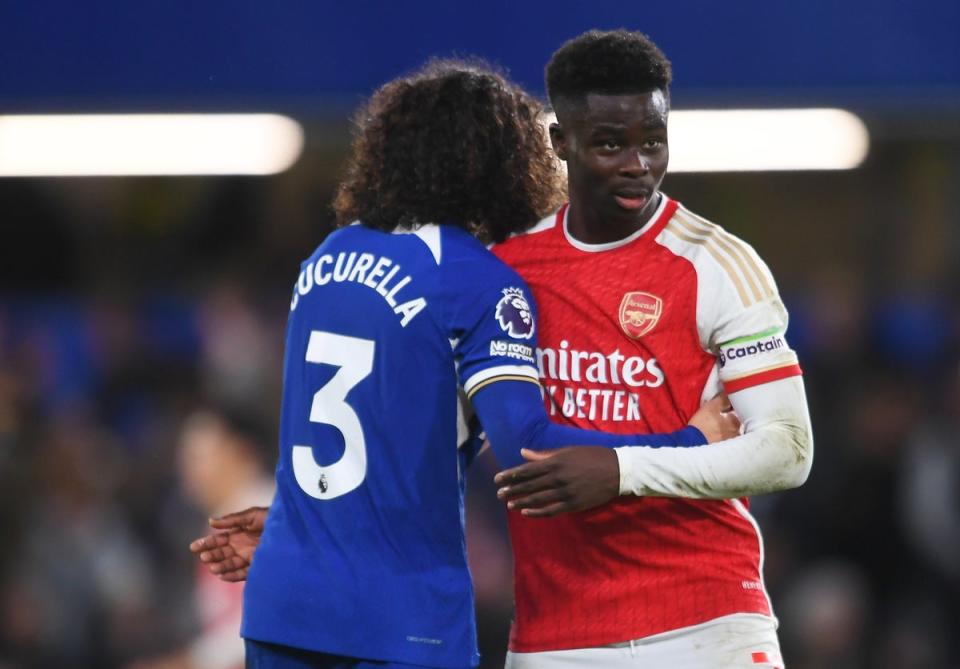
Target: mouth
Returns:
[631, 201]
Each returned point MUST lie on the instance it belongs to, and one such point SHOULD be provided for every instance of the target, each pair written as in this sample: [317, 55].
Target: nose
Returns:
[635, 164]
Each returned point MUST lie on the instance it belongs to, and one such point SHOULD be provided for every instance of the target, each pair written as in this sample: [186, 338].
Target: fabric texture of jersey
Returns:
[363, 553]
[634, 335]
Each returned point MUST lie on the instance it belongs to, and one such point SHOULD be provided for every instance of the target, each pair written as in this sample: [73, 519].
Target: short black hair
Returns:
[615, 62]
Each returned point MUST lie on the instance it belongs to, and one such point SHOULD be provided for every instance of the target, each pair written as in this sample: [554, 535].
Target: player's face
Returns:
[615, 147]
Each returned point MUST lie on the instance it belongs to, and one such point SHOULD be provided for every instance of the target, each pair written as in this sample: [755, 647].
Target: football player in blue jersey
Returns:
[402, 326]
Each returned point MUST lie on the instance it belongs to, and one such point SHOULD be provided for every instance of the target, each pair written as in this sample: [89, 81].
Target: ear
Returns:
[558, 138]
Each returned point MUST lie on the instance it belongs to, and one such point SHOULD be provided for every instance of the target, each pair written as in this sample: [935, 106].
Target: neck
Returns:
[587, 225]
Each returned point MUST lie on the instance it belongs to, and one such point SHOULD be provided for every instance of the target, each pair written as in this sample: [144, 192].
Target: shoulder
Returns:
[521, 240]
[426, 246]
[450, 266]
[720, 258]
[736, 294]
[464, 252]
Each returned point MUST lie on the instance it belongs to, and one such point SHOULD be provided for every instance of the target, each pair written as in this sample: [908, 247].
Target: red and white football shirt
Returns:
[634, 336]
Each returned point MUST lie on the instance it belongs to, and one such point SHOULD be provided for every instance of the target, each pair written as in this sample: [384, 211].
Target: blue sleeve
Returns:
[492, 323]
[513, 417]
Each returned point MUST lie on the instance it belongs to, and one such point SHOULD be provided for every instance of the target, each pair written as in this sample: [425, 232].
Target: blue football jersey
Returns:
[363, 552]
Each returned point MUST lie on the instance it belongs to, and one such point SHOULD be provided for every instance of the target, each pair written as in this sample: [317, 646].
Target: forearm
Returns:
[774, 453]
[513, 417]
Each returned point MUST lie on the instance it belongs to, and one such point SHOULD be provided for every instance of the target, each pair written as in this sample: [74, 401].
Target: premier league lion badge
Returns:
[514, 314]
[639, 313]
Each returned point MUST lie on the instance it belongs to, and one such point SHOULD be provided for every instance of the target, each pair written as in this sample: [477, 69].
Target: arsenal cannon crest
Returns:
[639, 313]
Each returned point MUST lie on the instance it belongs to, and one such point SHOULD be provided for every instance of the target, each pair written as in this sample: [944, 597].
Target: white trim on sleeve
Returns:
[528, 371]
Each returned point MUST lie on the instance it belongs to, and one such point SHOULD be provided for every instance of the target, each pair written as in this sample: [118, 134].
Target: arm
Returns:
[775, 453]
[574, 478]
[516, 423]
[514, 418]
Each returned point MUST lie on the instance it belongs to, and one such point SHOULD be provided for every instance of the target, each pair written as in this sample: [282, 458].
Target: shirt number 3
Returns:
[354, 357]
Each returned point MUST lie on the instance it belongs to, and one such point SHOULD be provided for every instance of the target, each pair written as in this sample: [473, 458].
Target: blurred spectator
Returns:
[78, 582]
[930, 484]
[221, 468]
[824, 618]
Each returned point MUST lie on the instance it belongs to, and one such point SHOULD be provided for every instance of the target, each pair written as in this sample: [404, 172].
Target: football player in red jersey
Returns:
[646, 310]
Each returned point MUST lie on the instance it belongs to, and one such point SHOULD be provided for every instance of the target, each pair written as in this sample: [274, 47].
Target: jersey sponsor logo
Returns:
[565, 364]
[514, 314]
[748, 349]
[512, 349]
[568, 364]
[639, 313]
[601, 404]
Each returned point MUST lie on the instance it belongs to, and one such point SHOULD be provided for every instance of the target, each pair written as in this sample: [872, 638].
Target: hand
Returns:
[717, 420]
[228, 553]
[569, 479]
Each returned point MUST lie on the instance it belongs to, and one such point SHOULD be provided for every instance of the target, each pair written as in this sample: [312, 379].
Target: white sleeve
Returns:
[775, 452]
[742, 321]
[740, 317]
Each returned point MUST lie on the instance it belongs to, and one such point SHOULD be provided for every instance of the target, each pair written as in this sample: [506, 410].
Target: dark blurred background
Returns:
[142, 318]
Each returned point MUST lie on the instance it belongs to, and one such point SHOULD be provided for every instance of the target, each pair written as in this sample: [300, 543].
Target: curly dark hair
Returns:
[611, 62]
[455, 143]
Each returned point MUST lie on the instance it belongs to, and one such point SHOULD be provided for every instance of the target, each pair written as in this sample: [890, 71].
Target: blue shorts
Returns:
[261, 655]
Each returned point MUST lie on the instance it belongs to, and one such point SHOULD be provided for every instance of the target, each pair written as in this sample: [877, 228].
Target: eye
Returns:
[654, 143]
[610, 144]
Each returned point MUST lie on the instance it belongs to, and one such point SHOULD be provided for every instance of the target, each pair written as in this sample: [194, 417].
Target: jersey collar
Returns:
[607, 246]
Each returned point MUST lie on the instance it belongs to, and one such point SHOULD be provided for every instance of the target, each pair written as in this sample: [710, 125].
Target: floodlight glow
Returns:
[148, 144]
[766, 140]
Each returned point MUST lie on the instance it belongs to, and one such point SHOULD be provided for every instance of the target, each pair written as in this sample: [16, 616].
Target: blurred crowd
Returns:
[141, 333]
